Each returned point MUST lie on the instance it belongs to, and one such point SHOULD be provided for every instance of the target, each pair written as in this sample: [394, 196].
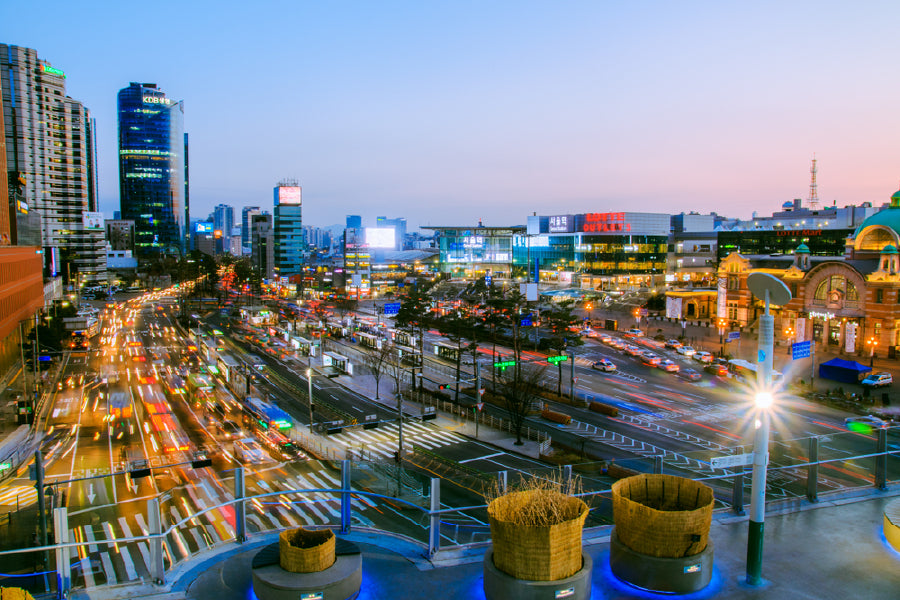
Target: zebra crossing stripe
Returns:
[108, 568]
[89, 536]
[26, 495]
[86, 572]
[201, 543]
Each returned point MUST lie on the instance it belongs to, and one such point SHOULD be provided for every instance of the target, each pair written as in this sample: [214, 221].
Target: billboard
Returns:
[288, 195]
[204, 228]
[92, 220]
[380, 237]
[562, 224]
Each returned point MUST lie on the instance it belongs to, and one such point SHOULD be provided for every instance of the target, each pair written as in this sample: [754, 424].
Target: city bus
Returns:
[164, 424]
[262, 416]
[746, 371]
[198, 382]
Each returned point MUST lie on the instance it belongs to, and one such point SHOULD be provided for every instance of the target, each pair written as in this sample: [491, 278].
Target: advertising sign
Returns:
[289, 194]
[92, 220]
[605, 222]
[562, 224]
[380, 237]
[722, 297]
[204, 228]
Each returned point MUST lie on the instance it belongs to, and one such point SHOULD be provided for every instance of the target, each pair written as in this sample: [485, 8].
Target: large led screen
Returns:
[380, 237]
[288, 195]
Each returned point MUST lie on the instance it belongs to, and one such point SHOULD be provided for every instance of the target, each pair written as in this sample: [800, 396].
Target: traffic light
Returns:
[442, 386]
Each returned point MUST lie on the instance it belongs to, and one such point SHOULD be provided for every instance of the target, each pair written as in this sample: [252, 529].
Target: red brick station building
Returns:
[848, 303]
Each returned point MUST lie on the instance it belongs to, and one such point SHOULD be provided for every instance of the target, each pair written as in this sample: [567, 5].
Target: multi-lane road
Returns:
[92, 433]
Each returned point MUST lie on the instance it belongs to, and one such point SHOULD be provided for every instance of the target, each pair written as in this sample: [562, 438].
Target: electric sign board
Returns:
[92, 220]
[561, 224]
[380, 237]
[288, 195]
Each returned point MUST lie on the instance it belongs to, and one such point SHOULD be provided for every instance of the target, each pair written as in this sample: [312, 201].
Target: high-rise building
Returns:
[354, 221]
[399, 227]
[288, 223]
[120, 234]
[262, 237]
[153, 169]
[246, 214]
[51, 162]
[223, 218]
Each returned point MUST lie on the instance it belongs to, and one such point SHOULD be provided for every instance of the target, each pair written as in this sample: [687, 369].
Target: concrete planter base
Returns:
[669, 575]
[500, 586]
[340, 581]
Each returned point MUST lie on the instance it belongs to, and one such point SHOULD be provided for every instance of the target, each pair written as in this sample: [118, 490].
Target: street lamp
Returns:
[872, 343]
[722, 324]
[589, 307]
[309, 383]
[770, 289]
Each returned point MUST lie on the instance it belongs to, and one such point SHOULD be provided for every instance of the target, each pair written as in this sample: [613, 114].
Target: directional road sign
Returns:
[733, 335]
[391, 308]
[800, 350]
[734, 460]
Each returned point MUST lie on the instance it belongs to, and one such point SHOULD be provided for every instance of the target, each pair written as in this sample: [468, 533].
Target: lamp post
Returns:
[770, 289]
[589, 307]
[789, 334]
[722, 324]
[872, 342]
[309, 383]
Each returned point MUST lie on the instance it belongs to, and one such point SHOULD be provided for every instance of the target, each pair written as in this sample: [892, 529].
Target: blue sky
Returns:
[451, 112]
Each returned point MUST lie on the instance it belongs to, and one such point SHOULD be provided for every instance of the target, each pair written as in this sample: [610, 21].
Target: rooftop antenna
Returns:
[813, 200]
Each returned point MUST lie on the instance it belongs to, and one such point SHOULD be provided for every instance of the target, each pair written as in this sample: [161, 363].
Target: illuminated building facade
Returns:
[474, 252]
[596, 250]
[849, 302]
[153, 169]
[288, 223]
[51, 162]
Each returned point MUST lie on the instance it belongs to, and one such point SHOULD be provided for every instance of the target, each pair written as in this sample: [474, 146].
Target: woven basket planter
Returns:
[662, 515]
[537, 553]
[306, 550]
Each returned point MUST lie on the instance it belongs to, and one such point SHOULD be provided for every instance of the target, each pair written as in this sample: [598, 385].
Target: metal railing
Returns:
[413, 509]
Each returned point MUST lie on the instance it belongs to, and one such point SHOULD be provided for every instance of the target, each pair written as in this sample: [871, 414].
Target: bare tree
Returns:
[376, 361]
[519, 389]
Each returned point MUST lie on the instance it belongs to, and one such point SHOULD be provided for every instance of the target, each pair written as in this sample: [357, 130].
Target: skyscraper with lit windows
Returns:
[153, 169]
[288, 223]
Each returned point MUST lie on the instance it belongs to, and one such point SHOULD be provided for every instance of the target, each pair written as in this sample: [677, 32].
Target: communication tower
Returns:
[813, 200]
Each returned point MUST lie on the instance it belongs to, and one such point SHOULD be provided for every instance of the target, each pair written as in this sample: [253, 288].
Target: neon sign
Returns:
[821, 315]
[50, 70]
[156, 100]
[605, 222]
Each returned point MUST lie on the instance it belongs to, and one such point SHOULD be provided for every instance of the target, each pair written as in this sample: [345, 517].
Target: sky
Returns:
[451, 112]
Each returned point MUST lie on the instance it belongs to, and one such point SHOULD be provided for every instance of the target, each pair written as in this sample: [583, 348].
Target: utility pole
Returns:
[39, 486]
[309, 383]
[572, 377]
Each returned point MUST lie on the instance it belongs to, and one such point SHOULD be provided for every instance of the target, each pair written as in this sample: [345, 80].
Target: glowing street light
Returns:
[872, 342]
[770, 289]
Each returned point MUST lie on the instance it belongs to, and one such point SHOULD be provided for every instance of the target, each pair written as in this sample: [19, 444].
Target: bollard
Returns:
[501, 481]
[737, 494]
[881, 459]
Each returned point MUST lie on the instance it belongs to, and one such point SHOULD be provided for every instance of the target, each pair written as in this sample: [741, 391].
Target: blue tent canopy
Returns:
[845, 371]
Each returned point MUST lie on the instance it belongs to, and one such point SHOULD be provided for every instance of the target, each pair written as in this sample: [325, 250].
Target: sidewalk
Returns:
[830, 551]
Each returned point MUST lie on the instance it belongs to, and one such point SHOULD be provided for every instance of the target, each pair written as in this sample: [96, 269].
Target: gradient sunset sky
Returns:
[450, 112]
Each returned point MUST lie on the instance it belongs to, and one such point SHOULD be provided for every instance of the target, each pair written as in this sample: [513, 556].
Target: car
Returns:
[231, 429]
[669, 366]
[604, 338]
[648, 358]
[617, 343]
[864, 421]
[878, 380]
[633, 333]
[703, 357]
[716, 369]
[633, 350]
[673, 344]
[604, 365]
[690, 374]
[685, 350]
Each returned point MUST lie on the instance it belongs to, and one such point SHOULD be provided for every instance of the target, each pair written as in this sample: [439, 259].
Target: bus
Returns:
[228, 366]
[198, 382]
[119, 403]
[80, 341]
[262, 416]
[164, 424]
[747, 372]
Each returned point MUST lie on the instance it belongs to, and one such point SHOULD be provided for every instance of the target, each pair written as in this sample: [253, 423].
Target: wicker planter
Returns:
[544, 553]
[662, 515]
[306, 550]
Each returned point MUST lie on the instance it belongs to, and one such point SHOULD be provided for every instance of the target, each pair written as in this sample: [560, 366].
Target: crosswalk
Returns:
[382, 442]
[103, 559]
[19, 496]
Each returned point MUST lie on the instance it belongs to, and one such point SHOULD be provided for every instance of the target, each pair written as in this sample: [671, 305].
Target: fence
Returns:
[407, 503]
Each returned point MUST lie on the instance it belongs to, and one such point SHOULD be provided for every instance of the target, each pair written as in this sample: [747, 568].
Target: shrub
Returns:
[556, 417]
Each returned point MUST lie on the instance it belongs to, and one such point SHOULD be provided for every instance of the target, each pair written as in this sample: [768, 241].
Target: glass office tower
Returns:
[289, 242]
[152, 169]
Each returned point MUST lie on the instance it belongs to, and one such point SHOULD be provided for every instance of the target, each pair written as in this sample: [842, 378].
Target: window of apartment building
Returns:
[879, 296]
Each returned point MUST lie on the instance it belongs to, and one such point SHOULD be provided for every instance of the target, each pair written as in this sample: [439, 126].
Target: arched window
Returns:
[836, 282]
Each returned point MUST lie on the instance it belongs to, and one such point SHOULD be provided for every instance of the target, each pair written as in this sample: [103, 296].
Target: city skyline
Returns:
[459, 113]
